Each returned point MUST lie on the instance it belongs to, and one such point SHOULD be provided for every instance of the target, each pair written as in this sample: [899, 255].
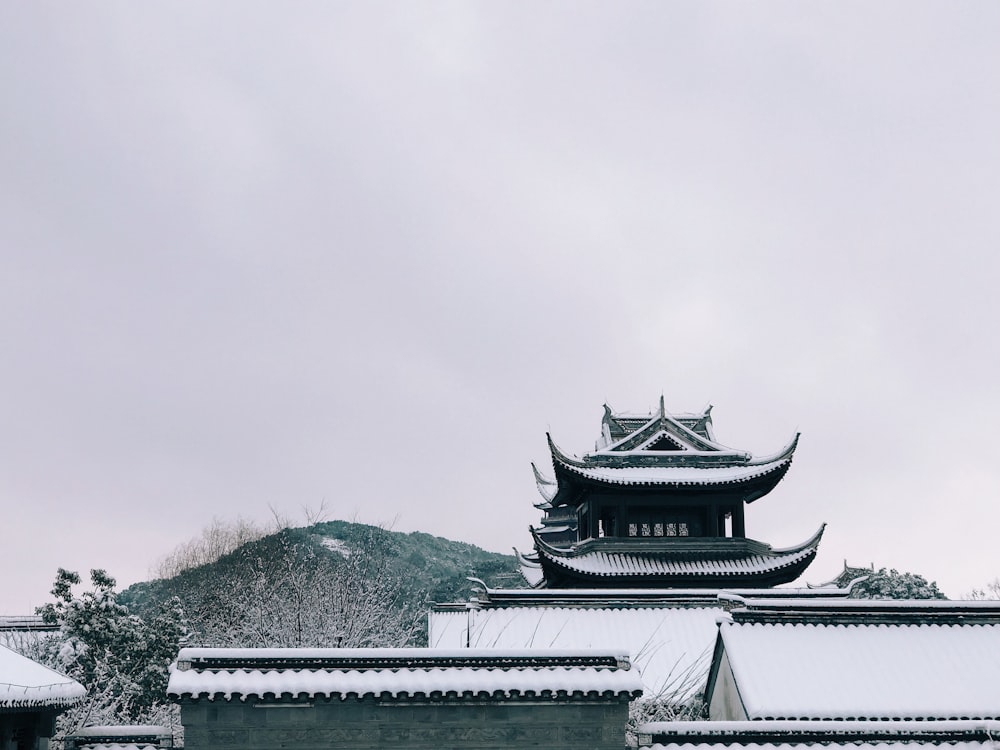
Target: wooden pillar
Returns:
[713, 520]
[739, 525]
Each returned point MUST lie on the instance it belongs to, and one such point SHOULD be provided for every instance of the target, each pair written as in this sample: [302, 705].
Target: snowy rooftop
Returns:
[629, 596]
[801, 670]
[612, 564]
[27, 684]
[900, 744]
[679, 475]
[685, 731]
[670, 646]
[786, 735]
[121, 737]
[123, 731]
[435, 673]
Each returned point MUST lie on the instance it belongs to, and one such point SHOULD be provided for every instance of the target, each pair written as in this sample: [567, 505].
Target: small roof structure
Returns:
[120, 737]
[26, 685]
[302, 675]
[857, 660]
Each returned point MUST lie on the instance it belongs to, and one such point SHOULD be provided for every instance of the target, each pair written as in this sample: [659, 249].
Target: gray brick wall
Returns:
[367, 724]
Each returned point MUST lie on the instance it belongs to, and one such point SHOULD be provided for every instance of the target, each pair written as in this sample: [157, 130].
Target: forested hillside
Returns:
[333, 583]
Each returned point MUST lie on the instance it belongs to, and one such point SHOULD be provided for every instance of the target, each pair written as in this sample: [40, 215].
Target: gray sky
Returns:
[261, 254]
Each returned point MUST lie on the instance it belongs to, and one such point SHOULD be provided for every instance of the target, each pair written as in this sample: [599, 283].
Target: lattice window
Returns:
[633, 529]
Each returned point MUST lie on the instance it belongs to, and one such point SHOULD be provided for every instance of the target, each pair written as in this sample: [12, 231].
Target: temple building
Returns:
[659, 503]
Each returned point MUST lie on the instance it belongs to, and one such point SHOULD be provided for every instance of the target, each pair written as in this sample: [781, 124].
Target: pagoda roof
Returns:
[659, 432]
[691, 468]
[677, 562]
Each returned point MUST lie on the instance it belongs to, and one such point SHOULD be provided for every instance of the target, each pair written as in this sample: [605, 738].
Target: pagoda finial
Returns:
[663, 410]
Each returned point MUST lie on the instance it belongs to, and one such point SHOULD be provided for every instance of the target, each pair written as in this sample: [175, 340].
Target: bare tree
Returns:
[283, 592]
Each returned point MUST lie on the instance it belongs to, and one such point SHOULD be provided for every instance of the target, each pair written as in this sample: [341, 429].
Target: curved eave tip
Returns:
[810, 543]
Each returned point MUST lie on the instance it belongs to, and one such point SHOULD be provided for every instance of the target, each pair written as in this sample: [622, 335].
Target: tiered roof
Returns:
[648, 506]
[662, 450]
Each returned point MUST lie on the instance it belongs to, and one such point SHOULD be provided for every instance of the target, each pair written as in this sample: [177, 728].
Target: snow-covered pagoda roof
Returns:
[27, 685]
[864, 660]
[305, 674]
[662, 450]
[724, 562]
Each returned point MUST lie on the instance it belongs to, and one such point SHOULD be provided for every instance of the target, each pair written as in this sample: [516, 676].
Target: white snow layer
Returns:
[336, 545]
[807, 671]
[26, 684]
[401, 681]
[670, 646]
[678, 474]
[624, 563]
[903, 744]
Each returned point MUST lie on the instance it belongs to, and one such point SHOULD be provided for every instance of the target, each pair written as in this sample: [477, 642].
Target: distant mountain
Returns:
[334, 583]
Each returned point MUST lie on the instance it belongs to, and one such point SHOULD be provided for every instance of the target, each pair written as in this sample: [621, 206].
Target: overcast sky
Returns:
[263, 255]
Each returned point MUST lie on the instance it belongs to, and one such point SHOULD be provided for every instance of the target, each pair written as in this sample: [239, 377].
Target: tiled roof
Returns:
[619, 564]
[670, 645]
[787, 735]
[783, 731]
[25, 622]
[900, 744]
[859, 671]
[120, 737]
[431, 673]
[27, 684]
[680, 475]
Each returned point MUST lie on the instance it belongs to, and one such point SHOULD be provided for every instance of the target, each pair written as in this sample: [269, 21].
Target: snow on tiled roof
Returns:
[120, 737]
[670, 646]
[105, 731]
[788, 735]
[686, 730]
[679, 475]
[901, 744]
[343, 673]
[25, 622]
[611, 564]
[857, 671]
[27, 684]
[628, 596]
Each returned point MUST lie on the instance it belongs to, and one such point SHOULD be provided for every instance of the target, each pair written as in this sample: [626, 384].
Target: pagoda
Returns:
[659, 503]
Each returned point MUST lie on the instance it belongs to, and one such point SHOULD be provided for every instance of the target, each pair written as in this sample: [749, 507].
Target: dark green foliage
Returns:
[891, 584]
